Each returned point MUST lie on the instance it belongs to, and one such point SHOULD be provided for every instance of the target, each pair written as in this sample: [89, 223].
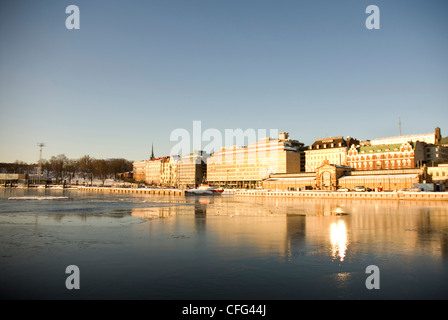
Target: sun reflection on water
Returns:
[339, 242]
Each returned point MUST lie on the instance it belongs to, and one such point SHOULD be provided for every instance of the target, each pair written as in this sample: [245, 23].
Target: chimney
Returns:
[438, 135]
[283, 136]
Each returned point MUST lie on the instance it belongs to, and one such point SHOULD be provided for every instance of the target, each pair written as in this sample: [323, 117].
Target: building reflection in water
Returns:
[294, 228]
[154, 212]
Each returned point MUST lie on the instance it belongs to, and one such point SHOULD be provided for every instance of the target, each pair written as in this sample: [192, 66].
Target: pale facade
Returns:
[248, 166]
[168, 174]
[154, 171]
[331, 150]
[192, 169]
[439, 174]
[385, 180]
[332, 177]
[430, 138]
[139, 170]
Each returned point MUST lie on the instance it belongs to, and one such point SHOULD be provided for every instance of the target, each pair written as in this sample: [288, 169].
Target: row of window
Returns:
[387, 163]
[383, 156]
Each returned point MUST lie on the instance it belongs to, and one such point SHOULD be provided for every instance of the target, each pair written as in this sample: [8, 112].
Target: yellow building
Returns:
[383, 179]
[139, 171]
[333, 177]
[168, 174]
[192, 169]
[157, 171]
[439, 174]
[247, 166]
[334, 150]
[154, 171]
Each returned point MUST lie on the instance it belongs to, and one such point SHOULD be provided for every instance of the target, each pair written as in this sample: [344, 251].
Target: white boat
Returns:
[213, 189]
[198, 191]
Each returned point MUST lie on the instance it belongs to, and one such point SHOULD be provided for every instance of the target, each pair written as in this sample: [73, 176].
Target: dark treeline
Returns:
[61, 168]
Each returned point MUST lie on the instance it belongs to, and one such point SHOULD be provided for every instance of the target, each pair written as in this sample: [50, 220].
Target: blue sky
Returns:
[137, 70]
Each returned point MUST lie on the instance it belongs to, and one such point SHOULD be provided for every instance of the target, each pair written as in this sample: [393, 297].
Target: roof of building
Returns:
[380, 176]
[444, 140]
[291, 179]
[383, 148]
[412, 137]
[333, 142]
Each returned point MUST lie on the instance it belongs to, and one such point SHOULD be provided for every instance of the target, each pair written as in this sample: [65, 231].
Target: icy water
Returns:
[219, 247]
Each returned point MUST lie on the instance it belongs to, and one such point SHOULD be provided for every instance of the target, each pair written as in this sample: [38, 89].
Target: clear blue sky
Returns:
[137, 70]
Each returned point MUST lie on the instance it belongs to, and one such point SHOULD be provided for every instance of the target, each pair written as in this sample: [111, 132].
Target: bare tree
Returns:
[117, 166]
[71, 167]
[20, 167]
[85, 165]
[58, 164]
[101, 169]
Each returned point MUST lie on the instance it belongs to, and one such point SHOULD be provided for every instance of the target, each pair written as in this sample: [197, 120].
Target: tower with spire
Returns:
[152, 152]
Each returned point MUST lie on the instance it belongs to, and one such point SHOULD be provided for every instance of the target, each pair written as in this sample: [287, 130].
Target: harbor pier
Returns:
[393, 195]
[165, 192]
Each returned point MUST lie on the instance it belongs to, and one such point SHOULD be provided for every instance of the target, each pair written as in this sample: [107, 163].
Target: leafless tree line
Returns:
[63, 169]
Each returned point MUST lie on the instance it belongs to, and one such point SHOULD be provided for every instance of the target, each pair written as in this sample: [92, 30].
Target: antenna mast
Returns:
[399, 124]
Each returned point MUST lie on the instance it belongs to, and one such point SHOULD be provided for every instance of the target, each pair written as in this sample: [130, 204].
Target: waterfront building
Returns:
[333, 149]
[429, 138]
[192, 169]
[13, 178]
[154, 171]
[290, 181]
[386, 180]
[171, 171]
[388, 156]
[247, 166]
[435, 154]
[139, 171]
[439, 174]
[333, 177]
[325, 177]
[168, 173]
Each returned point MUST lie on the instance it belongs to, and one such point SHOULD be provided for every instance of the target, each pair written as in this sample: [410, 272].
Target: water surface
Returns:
[223, 247]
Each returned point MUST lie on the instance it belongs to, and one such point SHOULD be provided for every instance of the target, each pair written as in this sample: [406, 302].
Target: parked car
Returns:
[415, 189]
[359, 189]
[344, 189]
